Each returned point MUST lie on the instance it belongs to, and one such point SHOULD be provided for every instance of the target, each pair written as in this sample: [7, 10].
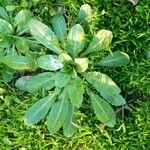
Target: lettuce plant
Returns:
[69, 76]
[14, 43]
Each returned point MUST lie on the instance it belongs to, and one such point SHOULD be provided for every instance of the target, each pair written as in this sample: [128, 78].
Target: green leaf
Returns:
[10, 7]
[3, 14]
[49, 62]
[16, 62]
[39, 110]
[107, 88]
[101, 41]
[103, 110]
[22, 46]
[64, 57]
[44, 35]
[32, 59]
[85, 13]
[22, 82]
[82, 64]
[61, 79]
[5, 43]
[69, 127]
[2, 53]
[7, 74]
[60, 27]
[41, 81]
[75, 40]
[22, 18]
[75, 91]
[58, 113]
[116, 59]
[5, 27]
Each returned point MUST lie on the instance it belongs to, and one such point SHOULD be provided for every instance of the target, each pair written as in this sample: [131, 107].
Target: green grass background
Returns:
[131, 29]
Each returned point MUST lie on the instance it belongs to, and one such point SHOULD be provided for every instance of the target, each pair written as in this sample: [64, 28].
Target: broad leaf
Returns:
[41, 81]
[22, 46]
[85, 13]
[107, 88]
[103, 110]
[82, 64]
[69, 127]
[101, 41]
[3, 14]
[5, 43]
[116, 59]
[58, 113]
[49, 62]
[22, 18]
[39, 110]
[32, 59]
[61, 79]
[64, 57]
[44, 35]
[16, 62]
[60, 27]
[7, 73]
[5, 27]
[22, 82]
[75, 40]
[75, 91]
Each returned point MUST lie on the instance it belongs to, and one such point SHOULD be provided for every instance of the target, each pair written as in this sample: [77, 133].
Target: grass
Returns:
[130, 27]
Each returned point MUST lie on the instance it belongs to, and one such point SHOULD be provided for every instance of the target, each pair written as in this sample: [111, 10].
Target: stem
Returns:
[25, 39]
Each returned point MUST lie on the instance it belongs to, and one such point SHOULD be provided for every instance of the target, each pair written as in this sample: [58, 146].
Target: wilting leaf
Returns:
[44, 35]
[58, 113]
[101, 41]
[41, 81]
[75, 91]
[48, 62]
[107, 88]
[103, 110]
[61, 79]
[39, 110]
[116, 59]
[69, 127]
[82, 64]
[60, 27]
[75, 40]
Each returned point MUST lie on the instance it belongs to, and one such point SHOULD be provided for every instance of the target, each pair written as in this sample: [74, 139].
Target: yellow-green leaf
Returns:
[75, 40]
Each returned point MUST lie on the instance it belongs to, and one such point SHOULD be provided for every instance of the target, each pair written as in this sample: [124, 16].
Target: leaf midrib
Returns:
[41, 108]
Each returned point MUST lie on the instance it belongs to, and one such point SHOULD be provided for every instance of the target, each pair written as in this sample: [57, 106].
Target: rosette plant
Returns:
[69, 76]
[15, 44]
